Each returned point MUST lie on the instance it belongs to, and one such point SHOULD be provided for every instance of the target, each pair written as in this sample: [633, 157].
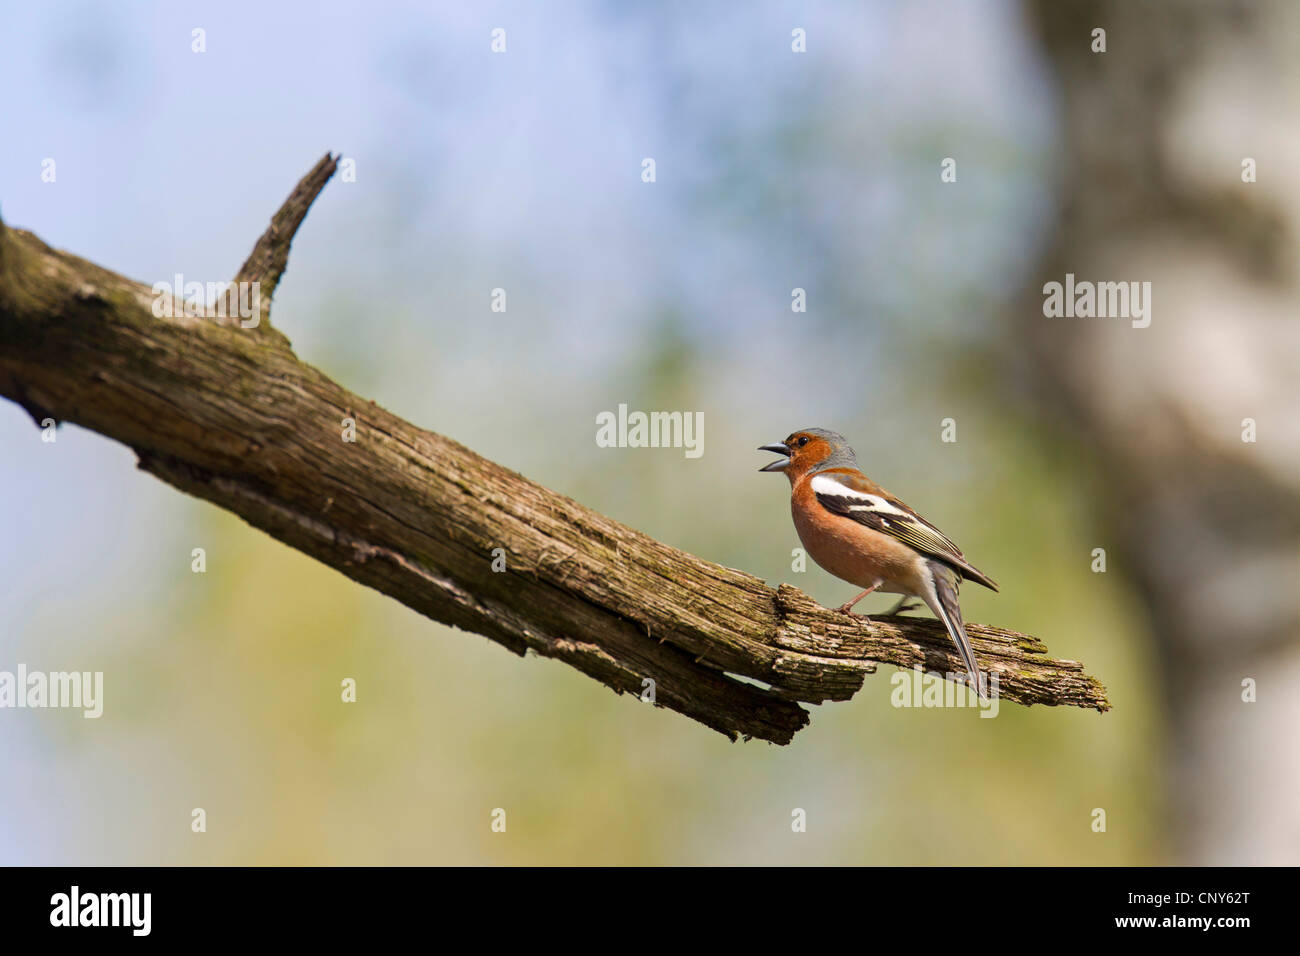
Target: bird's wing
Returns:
[854, 496]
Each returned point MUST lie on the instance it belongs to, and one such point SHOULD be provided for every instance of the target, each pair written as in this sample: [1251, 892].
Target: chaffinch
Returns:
[859, 532]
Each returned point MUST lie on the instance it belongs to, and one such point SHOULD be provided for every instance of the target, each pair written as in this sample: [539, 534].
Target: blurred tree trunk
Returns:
[1153, 138]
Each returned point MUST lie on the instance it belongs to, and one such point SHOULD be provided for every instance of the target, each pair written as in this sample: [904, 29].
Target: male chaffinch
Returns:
[859, 532]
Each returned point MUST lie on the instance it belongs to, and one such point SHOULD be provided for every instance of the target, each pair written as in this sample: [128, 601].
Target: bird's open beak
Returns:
[779, 448]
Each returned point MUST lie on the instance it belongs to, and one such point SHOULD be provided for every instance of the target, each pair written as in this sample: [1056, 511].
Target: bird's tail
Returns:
[943, 602]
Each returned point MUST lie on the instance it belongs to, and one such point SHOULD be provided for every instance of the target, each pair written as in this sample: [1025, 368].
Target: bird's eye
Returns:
[803, 441]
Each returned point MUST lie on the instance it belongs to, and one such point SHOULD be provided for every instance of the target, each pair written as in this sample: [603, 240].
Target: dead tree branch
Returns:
[229, 414]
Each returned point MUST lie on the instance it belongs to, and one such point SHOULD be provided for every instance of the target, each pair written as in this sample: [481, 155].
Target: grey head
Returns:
[841, 456]
[830, 448]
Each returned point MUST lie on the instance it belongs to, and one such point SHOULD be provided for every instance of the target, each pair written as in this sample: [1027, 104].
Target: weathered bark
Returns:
[232, 416]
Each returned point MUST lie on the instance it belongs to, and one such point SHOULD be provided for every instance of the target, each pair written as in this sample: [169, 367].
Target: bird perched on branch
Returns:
[859, 532]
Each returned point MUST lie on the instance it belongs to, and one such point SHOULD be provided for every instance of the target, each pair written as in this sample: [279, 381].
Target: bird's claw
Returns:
[904, 606]
[847, 609]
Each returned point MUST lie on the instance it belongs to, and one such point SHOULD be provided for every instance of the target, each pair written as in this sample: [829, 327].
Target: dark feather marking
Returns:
[909, 528]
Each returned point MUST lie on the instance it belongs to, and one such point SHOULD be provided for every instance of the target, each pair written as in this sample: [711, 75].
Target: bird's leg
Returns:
[905, 604]
[848, 607]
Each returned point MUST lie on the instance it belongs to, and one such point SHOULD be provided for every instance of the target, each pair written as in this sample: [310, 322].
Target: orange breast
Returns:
[849, 550]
